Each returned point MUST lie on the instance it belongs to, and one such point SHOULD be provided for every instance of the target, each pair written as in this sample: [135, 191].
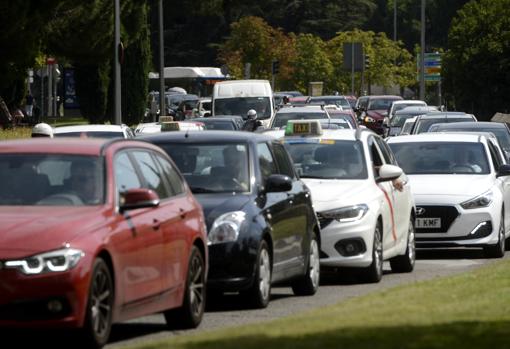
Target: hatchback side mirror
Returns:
[138, 198]
[503, 170]
[389, 173]
[278, 183]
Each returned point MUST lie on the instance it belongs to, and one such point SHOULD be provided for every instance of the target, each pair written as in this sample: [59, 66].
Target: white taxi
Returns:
[461, 187]
[353, 179]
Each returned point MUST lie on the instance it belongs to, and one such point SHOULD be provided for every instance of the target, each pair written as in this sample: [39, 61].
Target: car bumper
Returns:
[470, 228]
[335, 237]
[51, 300]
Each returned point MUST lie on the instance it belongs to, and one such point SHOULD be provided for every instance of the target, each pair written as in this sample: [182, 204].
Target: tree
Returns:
[476, 67]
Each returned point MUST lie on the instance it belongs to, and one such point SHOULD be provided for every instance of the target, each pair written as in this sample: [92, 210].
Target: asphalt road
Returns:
[229, 310]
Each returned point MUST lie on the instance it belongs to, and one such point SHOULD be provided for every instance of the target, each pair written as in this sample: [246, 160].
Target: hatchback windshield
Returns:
[212, 168]
[241, 105]
[51, 180]
[328, 159]
[501, 133]
[423, 125]
[280, 119]
[441, 157]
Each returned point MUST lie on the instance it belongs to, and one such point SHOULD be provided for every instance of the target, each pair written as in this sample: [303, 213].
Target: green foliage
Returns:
[92, 84]
[477, 65]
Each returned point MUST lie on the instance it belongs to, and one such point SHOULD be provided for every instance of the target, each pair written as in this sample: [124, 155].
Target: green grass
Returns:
[25, 131]
[471, 310]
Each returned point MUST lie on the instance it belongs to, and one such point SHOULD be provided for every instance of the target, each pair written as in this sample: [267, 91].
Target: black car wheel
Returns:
[259, 293]
[190, 314]
[308, 284]
[405, 263]
[498, 250]
[373, 273]
[98, 321]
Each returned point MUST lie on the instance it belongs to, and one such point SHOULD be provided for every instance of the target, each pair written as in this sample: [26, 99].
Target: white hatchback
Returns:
[461, 188]
[364, 218]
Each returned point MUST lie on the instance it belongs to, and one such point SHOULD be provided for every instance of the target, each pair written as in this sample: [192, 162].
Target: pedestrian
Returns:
[29, 106]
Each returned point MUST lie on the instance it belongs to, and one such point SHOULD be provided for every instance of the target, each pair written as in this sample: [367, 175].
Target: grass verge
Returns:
[471, 310]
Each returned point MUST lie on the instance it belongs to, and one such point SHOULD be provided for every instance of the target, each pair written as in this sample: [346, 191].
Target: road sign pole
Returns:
[422, 52]
[352, 68]
[117, 86]
[439, 97]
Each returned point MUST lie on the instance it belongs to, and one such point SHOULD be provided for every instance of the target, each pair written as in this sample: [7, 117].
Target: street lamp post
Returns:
[117, 104]
[162, 108]
[394, 20]
[422, 52]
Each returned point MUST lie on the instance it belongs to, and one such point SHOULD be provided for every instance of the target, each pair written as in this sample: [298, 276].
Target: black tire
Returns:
[191, 312]
[373, 273]
[308, 284]
[497, 250]
[405, 262]
[98, 318]
[259, 294]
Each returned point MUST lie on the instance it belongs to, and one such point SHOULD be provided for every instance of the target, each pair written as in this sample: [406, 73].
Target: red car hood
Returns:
[376, 114]
[29, 230]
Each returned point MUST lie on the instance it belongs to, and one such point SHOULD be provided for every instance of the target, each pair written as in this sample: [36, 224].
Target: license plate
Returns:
[428, 223]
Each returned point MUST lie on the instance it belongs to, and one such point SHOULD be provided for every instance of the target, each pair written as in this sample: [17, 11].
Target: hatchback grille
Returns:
[448, 214]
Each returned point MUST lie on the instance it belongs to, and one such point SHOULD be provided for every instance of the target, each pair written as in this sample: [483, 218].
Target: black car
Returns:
[232, 123]
[261, 226]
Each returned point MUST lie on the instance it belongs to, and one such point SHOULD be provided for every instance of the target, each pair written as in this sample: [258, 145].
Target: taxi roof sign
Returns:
[303, 128]
[166, 118]
[170, 126]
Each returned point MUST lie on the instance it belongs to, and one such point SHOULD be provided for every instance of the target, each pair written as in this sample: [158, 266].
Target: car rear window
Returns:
[280, 119]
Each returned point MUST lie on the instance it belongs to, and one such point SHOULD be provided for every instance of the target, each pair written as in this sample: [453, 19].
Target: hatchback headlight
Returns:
[226, 227]
[482, 200]
[347, 214]
[55, 261]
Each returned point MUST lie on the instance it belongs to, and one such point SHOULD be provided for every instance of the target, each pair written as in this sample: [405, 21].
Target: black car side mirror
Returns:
[278, 183]
[503, 170]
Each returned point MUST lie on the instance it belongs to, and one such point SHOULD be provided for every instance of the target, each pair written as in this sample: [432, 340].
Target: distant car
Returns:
[500, 130]
[376, 109]
[262, 227]
[292, 93]
[278, 97]
[461, 186]
[299, 100]
[423, 122]
[398, 119]
[407, 127]
[348, 115]
[94, 131]
[364, 218]
[399, 105]
[156, 127]
[203, 107]
[98, 231]
[279, 120]
[340, 101]
[351, 100]
[233, 123]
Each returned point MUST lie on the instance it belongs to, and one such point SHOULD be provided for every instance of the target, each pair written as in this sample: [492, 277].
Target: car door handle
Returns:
[182, 213]
[156, 224]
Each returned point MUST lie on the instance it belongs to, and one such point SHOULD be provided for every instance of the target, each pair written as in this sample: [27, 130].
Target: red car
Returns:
[97, 231]
[373, 111]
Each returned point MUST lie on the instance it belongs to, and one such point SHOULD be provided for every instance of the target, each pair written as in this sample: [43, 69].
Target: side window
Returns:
[125, 173]
[385, 151]
[375, 156]
[283, 161]
[173, 177]
[151, 173]
[496, 158]
[266, 161]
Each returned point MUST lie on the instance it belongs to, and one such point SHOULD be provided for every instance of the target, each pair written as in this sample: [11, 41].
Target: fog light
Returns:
[55, 306]
[350, 247]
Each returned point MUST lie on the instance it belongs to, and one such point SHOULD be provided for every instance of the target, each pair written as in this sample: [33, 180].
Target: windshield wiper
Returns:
[200, 190]
[315, 176]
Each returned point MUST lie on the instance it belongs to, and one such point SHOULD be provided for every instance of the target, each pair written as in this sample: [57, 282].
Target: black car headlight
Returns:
[55, 261]
[226, 227]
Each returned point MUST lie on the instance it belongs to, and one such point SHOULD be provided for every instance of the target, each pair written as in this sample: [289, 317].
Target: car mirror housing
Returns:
[278, 183]
[389, 173]
[138, 198]
[503, 170]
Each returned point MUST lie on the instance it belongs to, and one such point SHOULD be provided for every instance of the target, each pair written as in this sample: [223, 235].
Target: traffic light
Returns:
[367, 61]
[276, 67]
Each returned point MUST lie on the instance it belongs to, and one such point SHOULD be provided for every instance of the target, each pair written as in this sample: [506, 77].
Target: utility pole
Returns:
[394, 20]
[117, 105]
[422, 52]
[162, 108]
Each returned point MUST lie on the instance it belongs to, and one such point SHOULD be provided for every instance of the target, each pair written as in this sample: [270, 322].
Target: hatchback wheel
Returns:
[308, 284]
[373, 273]
[498, 250]
[190, 313]
[259, 293]
[98, 321]
[405, 263]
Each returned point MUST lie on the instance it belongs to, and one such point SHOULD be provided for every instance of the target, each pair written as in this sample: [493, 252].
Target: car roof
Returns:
[80, 146]
[385, 97]
[300, 109]
[437, 137]
[423, 109]
[444, 114]
[207, 136]
[479, 124]
[89, 128]
[409, 101]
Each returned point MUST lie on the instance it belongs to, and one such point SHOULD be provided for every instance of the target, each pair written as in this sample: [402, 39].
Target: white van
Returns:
[236, 97]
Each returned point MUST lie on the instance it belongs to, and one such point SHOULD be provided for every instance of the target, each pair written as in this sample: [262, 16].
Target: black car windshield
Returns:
[91, 134]
[51, 180]
[212, 167]
[241, 105]
[280, 119]
[327, 159]
[441, 157]
[423, 125]
[380, 104]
